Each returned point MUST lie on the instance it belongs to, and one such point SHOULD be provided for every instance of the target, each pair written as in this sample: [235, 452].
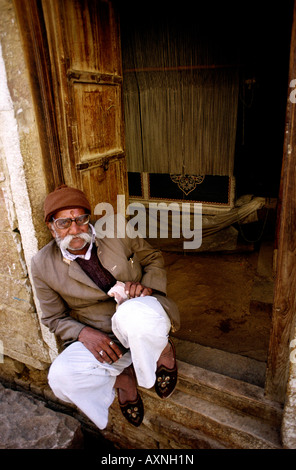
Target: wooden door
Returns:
[85, 55]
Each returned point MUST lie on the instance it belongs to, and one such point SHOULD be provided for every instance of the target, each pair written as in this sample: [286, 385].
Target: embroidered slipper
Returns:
[166, 379]
[133, 411]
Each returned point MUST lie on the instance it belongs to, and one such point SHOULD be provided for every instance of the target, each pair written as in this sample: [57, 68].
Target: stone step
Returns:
[157, 431]
[206, 411]
[228, 392]
[238, 367]
[228, 427]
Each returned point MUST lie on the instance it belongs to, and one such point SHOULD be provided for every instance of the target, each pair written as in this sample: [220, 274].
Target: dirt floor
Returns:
[221, 300]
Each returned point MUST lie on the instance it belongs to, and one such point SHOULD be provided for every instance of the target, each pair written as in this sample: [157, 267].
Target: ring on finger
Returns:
[101, 352]
[111, 343]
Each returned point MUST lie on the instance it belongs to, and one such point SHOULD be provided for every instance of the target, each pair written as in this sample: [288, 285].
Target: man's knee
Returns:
[140, 316]
[58, 379]
[128, 316]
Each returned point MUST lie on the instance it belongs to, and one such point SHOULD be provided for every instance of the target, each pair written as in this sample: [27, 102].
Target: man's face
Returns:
[71, 237]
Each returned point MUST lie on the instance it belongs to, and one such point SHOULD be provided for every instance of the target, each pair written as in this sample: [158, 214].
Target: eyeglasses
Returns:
[63, 223]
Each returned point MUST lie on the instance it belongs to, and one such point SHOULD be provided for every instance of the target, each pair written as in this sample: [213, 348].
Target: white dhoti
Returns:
[76, 376]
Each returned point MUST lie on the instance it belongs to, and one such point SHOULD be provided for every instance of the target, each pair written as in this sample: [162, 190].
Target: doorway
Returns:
[172, 62]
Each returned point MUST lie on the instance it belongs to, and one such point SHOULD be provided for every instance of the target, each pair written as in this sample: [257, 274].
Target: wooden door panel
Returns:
[99, 126]
[105, 179]
[91, 35]
[84, 44]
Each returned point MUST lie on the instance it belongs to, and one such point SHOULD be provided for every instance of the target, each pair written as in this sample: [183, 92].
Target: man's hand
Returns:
[136, 289]
[100, 345]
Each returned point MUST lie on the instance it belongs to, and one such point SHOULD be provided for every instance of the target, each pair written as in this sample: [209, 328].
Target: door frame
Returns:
[32, 27]
[284, 302]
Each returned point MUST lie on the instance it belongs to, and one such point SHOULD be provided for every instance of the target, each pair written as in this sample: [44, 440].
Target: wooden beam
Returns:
[30, 19]
[284, 306]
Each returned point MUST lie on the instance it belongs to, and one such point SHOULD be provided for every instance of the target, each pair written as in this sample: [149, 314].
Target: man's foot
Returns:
[167, 357]
[130, 402]
[133, 411]
[126, 385]
[166, 373]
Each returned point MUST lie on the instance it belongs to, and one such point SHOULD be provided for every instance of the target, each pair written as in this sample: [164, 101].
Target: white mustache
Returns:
[65, 242]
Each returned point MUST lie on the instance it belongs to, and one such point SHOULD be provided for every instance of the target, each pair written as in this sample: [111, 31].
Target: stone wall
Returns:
[289, 419]
[23, 185]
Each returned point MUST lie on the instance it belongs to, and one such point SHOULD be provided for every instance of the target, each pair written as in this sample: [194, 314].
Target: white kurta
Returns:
[77, 377]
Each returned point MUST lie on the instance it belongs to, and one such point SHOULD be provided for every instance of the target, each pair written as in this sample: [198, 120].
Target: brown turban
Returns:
[62, 198]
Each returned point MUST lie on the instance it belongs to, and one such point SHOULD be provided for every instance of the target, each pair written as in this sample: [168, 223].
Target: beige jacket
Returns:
[69, 299]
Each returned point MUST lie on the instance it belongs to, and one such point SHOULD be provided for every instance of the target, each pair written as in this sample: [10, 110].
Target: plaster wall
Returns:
[289, 418]
[22, 191]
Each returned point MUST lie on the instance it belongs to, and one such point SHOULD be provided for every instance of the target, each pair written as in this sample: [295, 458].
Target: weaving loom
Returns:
[215, 192]
[181, 103]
